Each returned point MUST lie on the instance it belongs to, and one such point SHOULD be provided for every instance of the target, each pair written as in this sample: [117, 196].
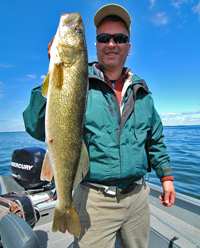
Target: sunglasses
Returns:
[118, 38]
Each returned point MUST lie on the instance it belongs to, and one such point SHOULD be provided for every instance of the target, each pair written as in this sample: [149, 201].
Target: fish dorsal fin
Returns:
[45, 85]
[83, 166]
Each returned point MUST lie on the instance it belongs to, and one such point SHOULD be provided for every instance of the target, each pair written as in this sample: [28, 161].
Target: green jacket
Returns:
[117, 136]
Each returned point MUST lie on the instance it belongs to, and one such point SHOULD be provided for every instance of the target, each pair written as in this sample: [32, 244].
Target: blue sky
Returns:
[165, 51]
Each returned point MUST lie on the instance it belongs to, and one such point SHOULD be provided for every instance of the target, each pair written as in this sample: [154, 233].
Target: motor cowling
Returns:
[26, 166]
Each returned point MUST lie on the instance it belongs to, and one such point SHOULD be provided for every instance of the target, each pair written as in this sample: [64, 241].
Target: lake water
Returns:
[183, 144]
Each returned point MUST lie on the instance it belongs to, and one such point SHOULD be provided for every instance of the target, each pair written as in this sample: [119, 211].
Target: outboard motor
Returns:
[26, 166]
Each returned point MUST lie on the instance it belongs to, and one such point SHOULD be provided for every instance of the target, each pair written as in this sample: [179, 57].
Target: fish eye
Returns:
[78, 29]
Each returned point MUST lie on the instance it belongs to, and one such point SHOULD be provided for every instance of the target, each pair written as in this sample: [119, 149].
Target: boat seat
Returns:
[15, 233]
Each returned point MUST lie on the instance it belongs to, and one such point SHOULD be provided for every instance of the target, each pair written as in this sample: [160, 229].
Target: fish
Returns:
[66, 90]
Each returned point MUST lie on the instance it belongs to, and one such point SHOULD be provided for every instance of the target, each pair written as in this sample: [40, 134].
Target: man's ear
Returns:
[129, 48]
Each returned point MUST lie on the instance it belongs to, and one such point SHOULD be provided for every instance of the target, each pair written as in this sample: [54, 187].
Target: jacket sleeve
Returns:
[160, 160]
[34, 114]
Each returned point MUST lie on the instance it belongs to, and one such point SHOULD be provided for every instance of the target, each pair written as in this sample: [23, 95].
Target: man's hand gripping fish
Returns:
[66, 88]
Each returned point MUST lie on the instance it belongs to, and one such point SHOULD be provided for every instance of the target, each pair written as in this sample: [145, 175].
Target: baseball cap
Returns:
[112, 9]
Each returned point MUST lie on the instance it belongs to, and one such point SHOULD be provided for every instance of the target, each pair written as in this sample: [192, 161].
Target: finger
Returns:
[164, 199]
[161, 197]
[172, 199]
[49, 46]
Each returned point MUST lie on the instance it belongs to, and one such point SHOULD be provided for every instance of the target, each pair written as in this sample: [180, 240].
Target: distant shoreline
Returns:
[163, 126]
[183, 126]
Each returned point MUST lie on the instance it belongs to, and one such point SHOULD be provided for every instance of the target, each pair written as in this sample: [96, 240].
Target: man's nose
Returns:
[111, 42]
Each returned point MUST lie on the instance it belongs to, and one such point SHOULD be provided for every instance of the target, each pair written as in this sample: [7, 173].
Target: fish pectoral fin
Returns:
[83, 166]
[56, 79]
[57, 75]
[45, 85]
[47, 171]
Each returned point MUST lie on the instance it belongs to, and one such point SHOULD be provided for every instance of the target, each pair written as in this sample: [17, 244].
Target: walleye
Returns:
[66, 88]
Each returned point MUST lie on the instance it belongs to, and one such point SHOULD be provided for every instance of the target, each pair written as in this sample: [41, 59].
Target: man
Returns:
[122, 131]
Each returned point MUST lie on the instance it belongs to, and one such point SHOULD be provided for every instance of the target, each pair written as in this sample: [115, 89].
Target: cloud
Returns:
[5, 65]
[168, 115]
[12, 125]
[160, 19]
[42, 76]
[177, 4]
[191, 112]
[92, 57]
[196, 9]
[31, 75]
[185, 118]
[152, 2]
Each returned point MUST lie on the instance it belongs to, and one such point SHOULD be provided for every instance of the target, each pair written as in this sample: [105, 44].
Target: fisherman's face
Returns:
[110, 55]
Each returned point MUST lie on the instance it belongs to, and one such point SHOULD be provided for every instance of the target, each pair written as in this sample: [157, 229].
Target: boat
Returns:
[177, 226]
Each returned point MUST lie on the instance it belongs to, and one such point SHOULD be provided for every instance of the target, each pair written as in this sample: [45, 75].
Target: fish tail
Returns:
[67, 221]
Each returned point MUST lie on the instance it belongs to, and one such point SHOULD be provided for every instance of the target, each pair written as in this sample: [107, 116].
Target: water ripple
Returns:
[183, 146]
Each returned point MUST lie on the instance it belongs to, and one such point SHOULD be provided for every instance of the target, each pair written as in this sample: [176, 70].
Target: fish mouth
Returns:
[72, 18]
